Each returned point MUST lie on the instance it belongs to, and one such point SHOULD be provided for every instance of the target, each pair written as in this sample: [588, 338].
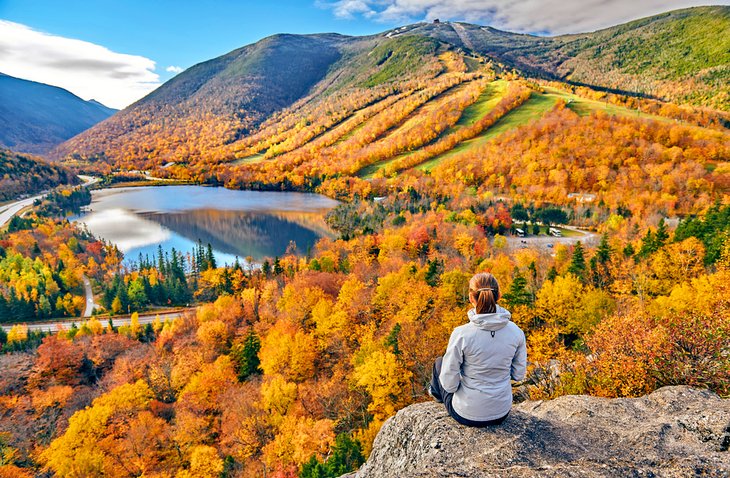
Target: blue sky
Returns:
[179, 33]
[118, 51]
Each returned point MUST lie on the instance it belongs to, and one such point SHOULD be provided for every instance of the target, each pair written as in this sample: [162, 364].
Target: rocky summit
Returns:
[673, 432]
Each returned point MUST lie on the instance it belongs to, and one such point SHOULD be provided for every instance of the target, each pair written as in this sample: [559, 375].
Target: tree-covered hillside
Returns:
[23, 174]
[235, 107]
[35, 117]
[682, 56]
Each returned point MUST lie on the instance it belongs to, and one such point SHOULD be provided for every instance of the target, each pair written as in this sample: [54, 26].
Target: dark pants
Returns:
[445, 397]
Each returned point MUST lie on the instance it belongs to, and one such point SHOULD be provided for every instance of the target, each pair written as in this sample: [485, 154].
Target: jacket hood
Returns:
[490, 322]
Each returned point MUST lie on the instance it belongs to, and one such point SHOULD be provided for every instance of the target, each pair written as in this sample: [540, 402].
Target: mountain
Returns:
[682, 55]
[35, 117]
[25, 174]
[289, 92]
[674, 431]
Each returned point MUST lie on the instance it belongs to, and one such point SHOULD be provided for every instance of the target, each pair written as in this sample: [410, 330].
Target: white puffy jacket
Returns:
[480, 359]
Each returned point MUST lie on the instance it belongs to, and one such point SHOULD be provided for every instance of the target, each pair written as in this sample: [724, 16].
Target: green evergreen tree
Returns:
[392, 339]
[603, 254]
[629, 250]
[245, 356]
[277, 267]
[577, 265]
[226, 286]
[434, 271]
[346, 456]
[4, 309]
[518, 293]
[137, 295]
[552, 274]
[662, 234]
[210, 258]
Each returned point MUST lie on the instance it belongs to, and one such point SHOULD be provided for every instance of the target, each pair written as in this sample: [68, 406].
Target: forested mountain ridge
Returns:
[24, 174]
[238, 105]
[35, 117]
[682, 56]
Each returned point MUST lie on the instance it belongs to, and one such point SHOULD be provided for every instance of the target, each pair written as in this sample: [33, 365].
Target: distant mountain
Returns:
[24, 174]
[240, 104]
[35, 117]
[682, 55]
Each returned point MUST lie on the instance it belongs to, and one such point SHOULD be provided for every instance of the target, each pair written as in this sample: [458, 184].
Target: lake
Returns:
[235, 223]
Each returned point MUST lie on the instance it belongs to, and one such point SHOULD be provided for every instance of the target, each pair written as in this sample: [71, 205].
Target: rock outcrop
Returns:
[672, 432]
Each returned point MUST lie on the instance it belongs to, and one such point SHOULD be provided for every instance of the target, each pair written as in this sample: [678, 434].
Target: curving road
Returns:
[52, 326]
[89, 297]
[10, 210]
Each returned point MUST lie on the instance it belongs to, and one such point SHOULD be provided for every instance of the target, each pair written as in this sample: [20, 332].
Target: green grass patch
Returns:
[584, 106]
[489, 98]
[254, 158]
[535, 107]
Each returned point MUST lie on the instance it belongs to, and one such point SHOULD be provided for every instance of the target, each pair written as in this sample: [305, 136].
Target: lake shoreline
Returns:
[237, 223]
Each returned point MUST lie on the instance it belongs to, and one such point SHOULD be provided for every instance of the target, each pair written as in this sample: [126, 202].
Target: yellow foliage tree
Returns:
[297, 439]
[84, 448]
[288, 351]
[214, 334]
[205, 462]
[277, 397]
[198, 408]
[17, 333]
[384, 377]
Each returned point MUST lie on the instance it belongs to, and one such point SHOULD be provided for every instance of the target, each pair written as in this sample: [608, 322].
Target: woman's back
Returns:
[480, 359]
[473, 377]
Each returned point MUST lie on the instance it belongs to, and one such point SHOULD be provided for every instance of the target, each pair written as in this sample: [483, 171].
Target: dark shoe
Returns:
[433, 394]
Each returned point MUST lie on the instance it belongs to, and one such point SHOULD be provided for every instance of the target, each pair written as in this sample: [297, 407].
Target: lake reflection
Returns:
[235, 223]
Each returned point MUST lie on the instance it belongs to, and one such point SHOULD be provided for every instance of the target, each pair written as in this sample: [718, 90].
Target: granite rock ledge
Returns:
[675, 431]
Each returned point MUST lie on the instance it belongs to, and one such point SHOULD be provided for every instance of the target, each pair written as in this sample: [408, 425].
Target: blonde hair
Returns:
[484, 292]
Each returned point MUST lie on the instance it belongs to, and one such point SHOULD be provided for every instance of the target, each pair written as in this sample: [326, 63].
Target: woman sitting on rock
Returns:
[472, 379]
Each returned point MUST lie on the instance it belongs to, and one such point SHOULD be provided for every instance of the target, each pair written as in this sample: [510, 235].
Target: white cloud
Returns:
[547, 16]
[83, 68]
[174, 69]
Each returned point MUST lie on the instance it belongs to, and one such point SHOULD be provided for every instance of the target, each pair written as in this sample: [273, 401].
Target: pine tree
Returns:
[577, 265]
[346, 456]
[662, 235]
[277, 267]
[629, 250]
[392, 339]
[552, 274]
[518, 293]
[434, 271]
[266, 268]
[603, 254]
[4, 310]
[245, 356]
[210, 258]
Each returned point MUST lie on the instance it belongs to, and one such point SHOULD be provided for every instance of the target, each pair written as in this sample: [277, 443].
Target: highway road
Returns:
[52, 326]
[89, 297]
[10, 210]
